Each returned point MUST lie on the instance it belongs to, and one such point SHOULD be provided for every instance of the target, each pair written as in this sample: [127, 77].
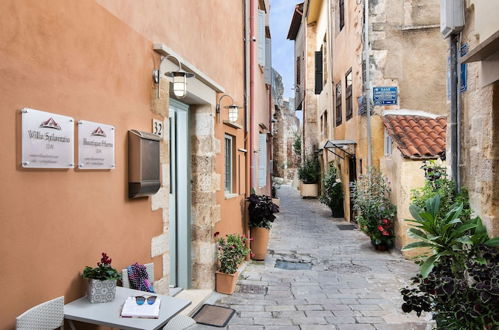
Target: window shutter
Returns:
[261, 37]
[318, 72]
[262, 160]
[268, 61]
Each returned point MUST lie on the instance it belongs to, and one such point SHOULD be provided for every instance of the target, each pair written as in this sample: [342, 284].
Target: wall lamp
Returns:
[233, 109]
[179, 77]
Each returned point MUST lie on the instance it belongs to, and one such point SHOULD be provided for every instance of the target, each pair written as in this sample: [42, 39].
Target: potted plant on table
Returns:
[261, 215]
[309, 174]
[101, 280]
[376, 212]
[231, 251]
[332, 195]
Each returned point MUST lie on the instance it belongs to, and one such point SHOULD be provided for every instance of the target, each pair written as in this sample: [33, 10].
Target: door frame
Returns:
[180, 185]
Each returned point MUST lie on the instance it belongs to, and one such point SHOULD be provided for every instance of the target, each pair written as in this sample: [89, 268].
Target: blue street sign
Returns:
[385, 95]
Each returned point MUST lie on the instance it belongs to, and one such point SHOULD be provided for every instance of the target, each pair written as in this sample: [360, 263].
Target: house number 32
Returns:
[157, 127]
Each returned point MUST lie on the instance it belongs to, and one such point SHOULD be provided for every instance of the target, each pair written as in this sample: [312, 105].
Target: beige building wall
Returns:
[479, 158]
[403, 175]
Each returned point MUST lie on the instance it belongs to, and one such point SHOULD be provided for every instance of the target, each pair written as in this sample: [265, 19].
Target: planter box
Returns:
[226, 283]
[309, 190]
[101, 291]
[259, 243]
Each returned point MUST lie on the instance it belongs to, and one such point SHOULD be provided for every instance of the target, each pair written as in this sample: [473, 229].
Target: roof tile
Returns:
[417, 137]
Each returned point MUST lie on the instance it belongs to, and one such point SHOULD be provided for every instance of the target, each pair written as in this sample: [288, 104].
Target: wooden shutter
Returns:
[268, 61]
[262, 160]
[261, 37]
[318, 72]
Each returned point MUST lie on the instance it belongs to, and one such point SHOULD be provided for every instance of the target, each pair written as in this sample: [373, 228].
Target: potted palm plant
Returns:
[261, 215]
[231, 251]
[309, 174]
[101, 280]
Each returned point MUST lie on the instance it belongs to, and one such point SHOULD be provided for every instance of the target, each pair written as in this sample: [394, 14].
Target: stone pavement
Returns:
[349, 286]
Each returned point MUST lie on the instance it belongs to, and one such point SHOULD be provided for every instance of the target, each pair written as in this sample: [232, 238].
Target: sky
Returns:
[281, 12]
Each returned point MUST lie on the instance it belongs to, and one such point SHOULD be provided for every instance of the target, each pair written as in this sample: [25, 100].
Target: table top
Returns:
[108, 314]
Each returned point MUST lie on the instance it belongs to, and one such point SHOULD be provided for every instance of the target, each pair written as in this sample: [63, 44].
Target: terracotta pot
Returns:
[276, 201]
[226, 283]
[259, 243]
[309, 189]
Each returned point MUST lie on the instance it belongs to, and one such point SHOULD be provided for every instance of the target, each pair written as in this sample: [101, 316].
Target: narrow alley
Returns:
[349, 285]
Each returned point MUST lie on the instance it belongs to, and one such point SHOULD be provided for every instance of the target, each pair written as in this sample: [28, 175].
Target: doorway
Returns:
[180, 196]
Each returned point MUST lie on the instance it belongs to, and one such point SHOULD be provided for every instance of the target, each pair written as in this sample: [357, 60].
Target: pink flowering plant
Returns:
[231, 251]
[103, 271]
[375, 212]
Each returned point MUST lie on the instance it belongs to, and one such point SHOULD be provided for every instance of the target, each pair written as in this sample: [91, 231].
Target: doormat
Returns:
[345, 227]
[293, 265]
[216, 316]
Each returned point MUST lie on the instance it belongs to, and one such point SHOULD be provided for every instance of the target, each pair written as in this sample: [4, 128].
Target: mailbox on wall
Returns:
[143, 164]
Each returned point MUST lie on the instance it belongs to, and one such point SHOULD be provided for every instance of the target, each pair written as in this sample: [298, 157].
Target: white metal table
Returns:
[108, 314]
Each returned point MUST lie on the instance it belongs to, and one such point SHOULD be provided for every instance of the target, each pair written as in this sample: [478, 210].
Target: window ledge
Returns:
[230, 196]
[232, 124]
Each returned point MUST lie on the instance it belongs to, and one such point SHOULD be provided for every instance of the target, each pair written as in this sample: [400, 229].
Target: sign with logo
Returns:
[385, 95]
[95, 146]
[47, 140]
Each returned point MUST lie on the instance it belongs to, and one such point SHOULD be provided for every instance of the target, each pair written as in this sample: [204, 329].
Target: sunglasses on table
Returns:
[140, 300]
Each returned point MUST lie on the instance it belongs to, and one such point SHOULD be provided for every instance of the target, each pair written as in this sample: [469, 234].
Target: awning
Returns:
[335, 145]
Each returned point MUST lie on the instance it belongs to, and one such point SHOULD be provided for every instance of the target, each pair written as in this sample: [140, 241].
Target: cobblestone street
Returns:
[349, 286]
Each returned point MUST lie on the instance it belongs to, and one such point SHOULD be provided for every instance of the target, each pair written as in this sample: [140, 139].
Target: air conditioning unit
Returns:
[451, 16]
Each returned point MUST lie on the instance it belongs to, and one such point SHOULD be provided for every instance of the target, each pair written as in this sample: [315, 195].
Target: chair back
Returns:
[150, 274]
[46, 316]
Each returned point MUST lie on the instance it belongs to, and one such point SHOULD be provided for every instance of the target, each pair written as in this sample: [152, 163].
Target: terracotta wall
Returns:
[55, 222]
[93, 61]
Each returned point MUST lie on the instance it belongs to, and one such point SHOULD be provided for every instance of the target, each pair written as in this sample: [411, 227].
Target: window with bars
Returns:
[339, 114]
[229, 163]
[348, 95]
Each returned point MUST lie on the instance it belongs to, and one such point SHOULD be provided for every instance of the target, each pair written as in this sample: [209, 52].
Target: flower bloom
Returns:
[385, 221]
[380, 228]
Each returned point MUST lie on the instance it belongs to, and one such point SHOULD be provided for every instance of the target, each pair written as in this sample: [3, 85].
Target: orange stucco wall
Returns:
[93, 61]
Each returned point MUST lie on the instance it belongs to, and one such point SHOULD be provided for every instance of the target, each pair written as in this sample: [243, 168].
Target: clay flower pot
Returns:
[259, 243]
[310, 190]
[226, 283]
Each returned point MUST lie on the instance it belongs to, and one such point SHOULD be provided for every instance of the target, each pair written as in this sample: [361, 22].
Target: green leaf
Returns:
[428, 265]
[416, 245]
[462, 229]
[464, 240]
[415, 211]
[433, 205]
[492, 242]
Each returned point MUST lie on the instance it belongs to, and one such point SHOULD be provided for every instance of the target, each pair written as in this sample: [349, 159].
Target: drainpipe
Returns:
[247, 135]
[252, 86]
[367, 87]
[453, 109]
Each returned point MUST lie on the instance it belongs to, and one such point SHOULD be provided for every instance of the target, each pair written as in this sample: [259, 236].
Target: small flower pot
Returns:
[259, 243]
[310, 190]
[276, 201]
[226, 283]
[101, 291]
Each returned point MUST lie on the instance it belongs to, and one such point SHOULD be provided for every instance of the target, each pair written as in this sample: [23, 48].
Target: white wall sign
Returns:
[95, 146]
[47, 140]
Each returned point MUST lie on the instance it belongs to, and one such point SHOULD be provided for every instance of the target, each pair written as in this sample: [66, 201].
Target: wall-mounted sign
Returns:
[385, 95]
[47, 140]
[95, 146]
[157, 127]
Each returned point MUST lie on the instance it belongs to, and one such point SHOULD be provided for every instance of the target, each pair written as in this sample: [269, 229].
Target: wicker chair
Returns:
[46, 316]
[150, 273]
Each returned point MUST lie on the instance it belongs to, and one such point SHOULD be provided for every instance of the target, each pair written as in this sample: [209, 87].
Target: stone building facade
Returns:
[403, 40]
[479, 111]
